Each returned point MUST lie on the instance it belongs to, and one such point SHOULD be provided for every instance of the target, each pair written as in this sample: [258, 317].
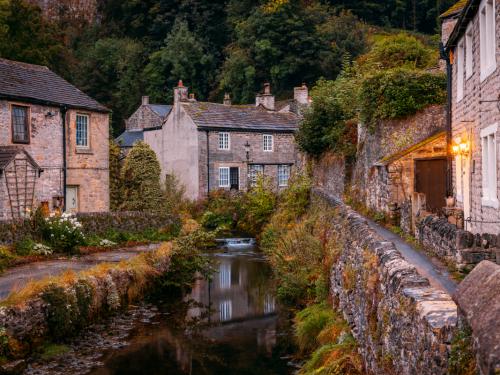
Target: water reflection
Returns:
[238, 330]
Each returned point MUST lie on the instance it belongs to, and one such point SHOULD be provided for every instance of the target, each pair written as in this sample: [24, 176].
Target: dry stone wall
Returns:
[402, 324]
[458, 247]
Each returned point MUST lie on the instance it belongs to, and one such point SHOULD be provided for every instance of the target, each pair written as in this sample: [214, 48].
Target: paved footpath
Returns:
[15, 278]
[438, 275]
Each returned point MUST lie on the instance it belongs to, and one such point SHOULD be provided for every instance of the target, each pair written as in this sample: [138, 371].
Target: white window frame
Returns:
[460, 69]
[283, 178]
[489, 166]
[224, 141]
[87, 131]
[268, 139]
[469, 57]
[222, 183]
[459, 177]
[253, 173]
[487, 42]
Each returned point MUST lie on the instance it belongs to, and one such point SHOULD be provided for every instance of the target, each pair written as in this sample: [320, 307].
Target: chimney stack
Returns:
[301, 94]
[145, 100]
[180, 93]
[192, 98]
[227, 99]
[266, 99]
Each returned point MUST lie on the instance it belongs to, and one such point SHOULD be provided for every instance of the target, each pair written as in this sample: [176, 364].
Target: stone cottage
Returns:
[147, 117]
[211, 146]
[53, 144]
[472, 46]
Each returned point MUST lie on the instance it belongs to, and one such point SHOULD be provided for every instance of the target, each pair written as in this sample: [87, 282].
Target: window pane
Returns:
[283, 175]
[268, 142]
[82, 130]
[223, 141]
[20, 124]
[223, 177]
[254, 172]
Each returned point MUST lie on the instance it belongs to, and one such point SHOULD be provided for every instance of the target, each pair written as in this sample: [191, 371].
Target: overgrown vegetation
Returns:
[392, 80]
[462, 357]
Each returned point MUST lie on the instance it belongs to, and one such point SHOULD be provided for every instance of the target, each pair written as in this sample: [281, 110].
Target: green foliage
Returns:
[115, 178]
[63, 233]
[62, 312]
[187, 262]
[51, 350]
[26, 36]
[398, 93]
[288, 44]
[324, 125]
[184, 56]
[401, 50]
[173, 193]
[6, 257]
[24, 246]
[110, 71]
[321, 331]
[309, 323]
[462, 356]
[141, 180]
[258, 205]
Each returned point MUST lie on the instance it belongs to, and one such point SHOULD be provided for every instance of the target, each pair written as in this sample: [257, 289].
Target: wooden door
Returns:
[430, 179]
[72, 198]
[234, 178]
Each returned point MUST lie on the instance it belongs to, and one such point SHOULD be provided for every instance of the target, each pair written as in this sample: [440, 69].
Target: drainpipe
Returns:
[449, 165]
[64, 111]
[208, 165]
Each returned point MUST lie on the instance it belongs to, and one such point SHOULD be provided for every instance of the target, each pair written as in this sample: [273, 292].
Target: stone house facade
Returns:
[146, 118]
[473, 49]
[53, 144]
[211, 146]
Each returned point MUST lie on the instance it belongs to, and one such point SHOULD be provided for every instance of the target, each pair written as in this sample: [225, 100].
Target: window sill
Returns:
[488, 71]
[84, 150]
[486, 202]
[460, 198]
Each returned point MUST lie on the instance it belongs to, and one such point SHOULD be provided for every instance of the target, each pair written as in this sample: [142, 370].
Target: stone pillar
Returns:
[301, 94]
[266, 99]
[145, 100]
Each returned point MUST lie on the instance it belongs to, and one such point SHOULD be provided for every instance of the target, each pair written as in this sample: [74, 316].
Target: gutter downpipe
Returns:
[208, 164]
[64, 111]
[449, 165]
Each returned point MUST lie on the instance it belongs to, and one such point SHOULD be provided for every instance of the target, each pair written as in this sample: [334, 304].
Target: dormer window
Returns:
[20, 124]
[487, 38]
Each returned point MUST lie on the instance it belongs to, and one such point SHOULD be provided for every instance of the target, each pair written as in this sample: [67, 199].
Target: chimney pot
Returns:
[266, 99]
[180, 92]
[145, 100]
[267, 88]
[180, 84]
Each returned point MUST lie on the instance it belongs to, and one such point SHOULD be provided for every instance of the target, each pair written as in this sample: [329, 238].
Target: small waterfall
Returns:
[236, 243]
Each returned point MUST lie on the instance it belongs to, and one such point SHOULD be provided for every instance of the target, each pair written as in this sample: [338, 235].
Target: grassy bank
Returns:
[55, 309]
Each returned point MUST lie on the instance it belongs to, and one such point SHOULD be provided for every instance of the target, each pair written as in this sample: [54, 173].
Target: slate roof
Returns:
[240, 117]
[128, 138]
[468, 12]
[8, 153]
[454, 9]
[38, 84]
[161, 110]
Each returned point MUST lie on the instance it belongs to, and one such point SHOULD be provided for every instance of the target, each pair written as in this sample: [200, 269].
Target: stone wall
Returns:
[401, 323]
[459, 247]
[389, 138]
[479, 308]
[93, 223]
[329, 174]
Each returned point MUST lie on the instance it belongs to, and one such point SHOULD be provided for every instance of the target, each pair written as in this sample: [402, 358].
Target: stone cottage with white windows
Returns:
[53, 144]
[211, 146]
[471, 35]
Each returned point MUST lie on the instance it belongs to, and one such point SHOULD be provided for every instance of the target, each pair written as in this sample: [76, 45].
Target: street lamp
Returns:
[247, 150]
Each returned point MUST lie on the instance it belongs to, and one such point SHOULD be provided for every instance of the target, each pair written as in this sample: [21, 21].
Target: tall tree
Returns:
[182, 57]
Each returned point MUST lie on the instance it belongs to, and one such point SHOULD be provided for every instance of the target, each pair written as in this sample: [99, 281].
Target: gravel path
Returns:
[15, 278]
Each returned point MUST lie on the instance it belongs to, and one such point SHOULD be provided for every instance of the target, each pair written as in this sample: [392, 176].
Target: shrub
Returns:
[174, 194]
[309, 323]
[63, 233]
[24, 246]
[258, 205]
[62, 312]
[398, 93]
[6, 257]
[141, 179]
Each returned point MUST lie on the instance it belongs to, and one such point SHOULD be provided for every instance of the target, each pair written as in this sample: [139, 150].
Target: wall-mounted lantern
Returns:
[460, 146]
[247, 150]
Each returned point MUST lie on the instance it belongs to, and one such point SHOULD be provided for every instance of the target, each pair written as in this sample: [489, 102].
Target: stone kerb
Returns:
[402, 324]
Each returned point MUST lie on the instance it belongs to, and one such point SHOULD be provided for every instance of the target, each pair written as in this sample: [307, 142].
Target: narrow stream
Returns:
[231, 324]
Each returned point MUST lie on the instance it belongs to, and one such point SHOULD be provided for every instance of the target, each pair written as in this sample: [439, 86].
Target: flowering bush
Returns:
[41, 249]
[106, 243]
[63, 233]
